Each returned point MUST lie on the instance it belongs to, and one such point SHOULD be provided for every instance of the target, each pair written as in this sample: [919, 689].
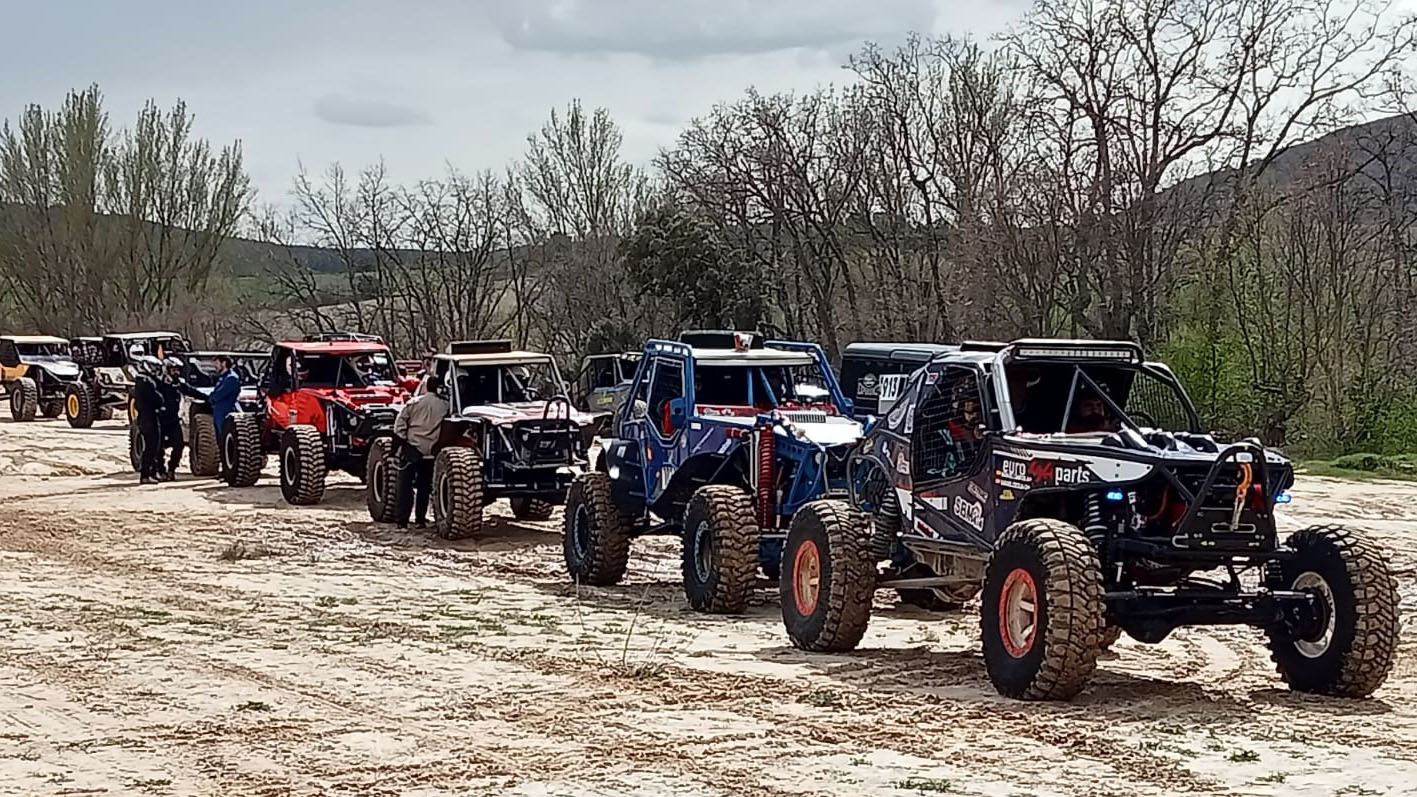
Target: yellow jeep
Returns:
[36, 370]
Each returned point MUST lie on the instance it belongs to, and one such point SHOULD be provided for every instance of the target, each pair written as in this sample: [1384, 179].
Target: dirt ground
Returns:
[189, 638]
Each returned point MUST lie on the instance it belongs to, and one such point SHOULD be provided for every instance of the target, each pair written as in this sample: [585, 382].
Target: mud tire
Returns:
[24, 399]
[596, 534]
[79, 406]
[1051, 566]
[135, 449]
[457, 493]
[381, 481]
[241, 449]
[720, 549]
[203, 454]
[528, 508]
[52, 408]
[302, 465]
[1360, 597]
[830, 543]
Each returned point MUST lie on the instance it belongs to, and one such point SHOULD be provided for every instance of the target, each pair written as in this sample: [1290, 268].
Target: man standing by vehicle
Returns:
[147, 405]
[225, 393]
[169, 420]
[416, 435]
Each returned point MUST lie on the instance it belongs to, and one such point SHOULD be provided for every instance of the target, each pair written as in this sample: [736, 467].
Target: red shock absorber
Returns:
[765, 480]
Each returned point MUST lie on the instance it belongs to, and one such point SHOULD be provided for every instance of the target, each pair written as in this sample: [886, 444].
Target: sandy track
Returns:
[189, 638]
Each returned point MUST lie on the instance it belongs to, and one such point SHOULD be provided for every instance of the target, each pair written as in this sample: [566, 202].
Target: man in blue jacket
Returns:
[223, 398]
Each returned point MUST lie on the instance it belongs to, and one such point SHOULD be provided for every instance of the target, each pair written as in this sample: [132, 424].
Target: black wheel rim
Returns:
[580, 532]
[291, 462]
[703, 551]
[228, 450]
[376, 482]
[445, 496]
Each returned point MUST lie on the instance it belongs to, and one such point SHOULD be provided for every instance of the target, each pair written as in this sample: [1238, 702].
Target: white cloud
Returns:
[342, 109]
[691, 29]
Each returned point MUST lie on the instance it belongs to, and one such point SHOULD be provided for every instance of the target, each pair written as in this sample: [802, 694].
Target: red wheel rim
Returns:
[806, 578]
[1018, 613]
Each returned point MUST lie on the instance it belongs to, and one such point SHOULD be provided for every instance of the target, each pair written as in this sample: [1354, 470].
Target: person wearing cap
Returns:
[147, 406]
[416, 431]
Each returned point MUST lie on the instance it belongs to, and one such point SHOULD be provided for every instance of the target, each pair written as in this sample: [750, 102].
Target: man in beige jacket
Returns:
[415, 436]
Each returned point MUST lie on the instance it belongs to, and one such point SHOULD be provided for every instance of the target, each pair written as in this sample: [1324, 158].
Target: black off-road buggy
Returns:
[106, 366]
[1071, 481]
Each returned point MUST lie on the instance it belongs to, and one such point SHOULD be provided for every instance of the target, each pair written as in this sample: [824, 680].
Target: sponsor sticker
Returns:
[1045, 472]
[971, 512]
[978, 492]
[1013, 474]
[866, 385]
[902, 462]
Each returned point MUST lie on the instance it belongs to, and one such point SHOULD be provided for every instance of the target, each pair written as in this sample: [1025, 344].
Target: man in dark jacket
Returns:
[170, 419]
[225, 392]
[147, 403]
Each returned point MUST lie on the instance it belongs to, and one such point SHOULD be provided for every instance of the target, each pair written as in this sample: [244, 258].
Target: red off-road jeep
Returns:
[324, 402]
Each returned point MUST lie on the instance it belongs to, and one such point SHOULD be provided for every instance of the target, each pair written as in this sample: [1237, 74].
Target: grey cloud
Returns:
[341, 109]
[691, 29]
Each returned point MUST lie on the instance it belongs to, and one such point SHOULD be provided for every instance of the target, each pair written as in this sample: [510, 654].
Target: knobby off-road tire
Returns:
[381, 481]
[106, 414]
[203, 453]
[136, 444]
[302, 465]
[720, 549]
[52, 408]
[596, 534]
[457, 493]
[527, 508]
[24, 399]
[242, 451]
[1042, 613]
[79, 406]
[1353, 649]
[828, 577]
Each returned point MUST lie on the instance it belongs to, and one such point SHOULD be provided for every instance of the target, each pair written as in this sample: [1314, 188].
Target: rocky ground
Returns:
[189, 638]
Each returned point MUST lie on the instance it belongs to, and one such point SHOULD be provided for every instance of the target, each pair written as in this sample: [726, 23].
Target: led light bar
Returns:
[1046, 352]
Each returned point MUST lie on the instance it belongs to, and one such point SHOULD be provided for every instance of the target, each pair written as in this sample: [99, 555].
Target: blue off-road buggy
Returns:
[721, 438]
[1071, 485]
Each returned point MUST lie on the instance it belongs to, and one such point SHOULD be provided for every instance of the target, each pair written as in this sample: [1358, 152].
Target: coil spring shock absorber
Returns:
[1094, 525]
[765, 480]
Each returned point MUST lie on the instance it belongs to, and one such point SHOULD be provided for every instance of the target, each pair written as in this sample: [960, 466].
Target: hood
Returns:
[508, 413]
[816, 426]
[1178, 446]
[64, 369]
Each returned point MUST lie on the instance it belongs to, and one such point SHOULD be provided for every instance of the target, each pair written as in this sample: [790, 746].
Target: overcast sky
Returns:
[424, 83]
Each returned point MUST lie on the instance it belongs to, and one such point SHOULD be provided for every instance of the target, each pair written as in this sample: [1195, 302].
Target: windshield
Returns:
[507, 384]
[43, 349]
[1070, 398]
[763, 387]
[346, 370]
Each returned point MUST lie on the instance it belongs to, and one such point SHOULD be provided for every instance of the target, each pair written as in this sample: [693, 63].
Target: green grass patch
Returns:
[1365, 466]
